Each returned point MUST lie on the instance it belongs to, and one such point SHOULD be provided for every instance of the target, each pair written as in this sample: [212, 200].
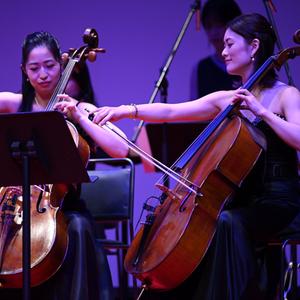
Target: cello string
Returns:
[149, 158]
[174, 165]
[61, 84]
[41, 188]
[75, 58]
[222, 114]
[65, 76]
[177, 177]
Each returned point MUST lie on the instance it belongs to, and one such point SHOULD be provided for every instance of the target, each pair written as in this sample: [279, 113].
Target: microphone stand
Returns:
[164, 70]
[269, 8]
[164, 99]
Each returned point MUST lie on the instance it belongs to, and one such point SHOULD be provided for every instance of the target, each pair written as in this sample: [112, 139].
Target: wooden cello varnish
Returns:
[184, 225]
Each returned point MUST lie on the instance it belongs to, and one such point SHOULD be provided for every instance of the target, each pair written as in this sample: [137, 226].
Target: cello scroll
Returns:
[89, 52]
[286, 54]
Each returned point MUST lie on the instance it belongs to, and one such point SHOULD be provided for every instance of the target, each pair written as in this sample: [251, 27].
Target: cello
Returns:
[49, 239]
[176, 236]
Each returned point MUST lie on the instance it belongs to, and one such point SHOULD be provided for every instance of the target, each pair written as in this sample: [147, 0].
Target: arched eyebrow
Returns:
[229, 39]
[30, 63]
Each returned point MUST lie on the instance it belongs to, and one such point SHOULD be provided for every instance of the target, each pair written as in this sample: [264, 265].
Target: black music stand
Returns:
[178, 136]
[36, 148]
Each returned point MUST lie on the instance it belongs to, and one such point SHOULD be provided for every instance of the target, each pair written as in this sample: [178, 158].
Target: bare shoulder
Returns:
[10, 96]
[290, 92]
[9, 102]
[289, 100]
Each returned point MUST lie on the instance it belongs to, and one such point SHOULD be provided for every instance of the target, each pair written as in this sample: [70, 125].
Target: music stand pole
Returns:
[23, 151]
[164, 70]
[164, 99]
[26, 228]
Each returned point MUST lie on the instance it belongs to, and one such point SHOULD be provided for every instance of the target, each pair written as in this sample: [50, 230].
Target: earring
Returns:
[252, 58]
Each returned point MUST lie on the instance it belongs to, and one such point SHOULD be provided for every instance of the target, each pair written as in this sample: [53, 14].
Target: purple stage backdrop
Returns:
[138, 36]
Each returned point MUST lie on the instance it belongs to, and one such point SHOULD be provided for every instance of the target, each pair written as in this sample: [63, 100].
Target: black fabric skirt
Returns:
[232, 268]
[84, 274]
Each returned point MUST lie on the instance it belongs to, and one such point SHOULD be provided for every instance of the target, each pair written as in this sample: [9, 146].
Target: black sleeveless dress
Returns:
[266, 204]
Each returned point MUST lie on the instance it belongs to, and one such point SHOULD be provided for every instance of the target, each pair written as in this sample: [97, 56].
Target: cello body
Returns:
[48, 231]
[184, 224]
[48, 237]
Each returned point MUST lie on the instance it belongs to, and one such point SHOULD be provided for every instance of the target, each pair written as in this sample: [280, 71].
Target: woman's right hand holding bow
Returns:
[109, 113]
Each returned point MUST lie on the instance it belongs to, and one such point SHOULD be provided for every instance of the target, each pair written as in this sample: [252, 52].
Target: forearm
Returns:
[155, 112]
[203, 109]
[107, 140]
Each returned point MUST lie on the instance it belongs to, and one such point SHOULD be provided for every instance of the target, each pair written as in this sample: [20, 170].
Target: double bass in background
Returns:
[49, 239]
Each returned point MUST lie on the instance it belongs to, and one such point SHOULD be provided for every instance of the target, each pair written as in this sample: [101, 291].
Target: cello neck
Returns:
[88, 51]
[62, 83]
[260, 73]
[207, 132]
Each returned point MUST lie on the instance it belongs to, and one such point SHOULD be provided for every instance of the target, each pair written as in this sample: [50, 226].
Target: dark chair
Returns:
[288, 287]
[109, 198]
[289, 241]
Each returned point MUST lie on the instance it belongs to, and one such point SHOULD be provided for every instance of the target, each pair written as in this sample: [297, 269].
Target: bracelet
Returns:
[133, 111]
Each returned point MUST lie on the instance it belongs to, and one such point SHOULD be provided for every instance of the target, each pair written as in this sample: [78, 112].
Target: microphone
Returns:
[296, 36]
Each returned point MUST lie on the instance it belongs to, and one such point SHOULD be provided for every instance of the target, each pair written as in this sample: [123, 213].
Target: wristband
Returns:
[133, 111]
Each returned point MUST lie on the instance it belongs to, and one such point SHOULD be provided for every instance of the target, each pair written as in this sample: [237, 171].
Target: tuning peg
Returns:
[91, 56]
[99, 50]
[65, 57]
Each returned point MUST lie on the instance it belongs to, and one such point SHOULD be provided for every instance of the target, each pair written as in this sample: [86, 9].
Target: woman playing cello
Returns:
[268, 199]
[80, 276]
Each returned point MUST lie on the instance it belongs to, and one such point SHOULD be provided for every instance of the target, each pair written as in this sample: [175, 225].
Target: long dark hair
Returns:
[33, 40]
[81, 76]
[256, 26]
